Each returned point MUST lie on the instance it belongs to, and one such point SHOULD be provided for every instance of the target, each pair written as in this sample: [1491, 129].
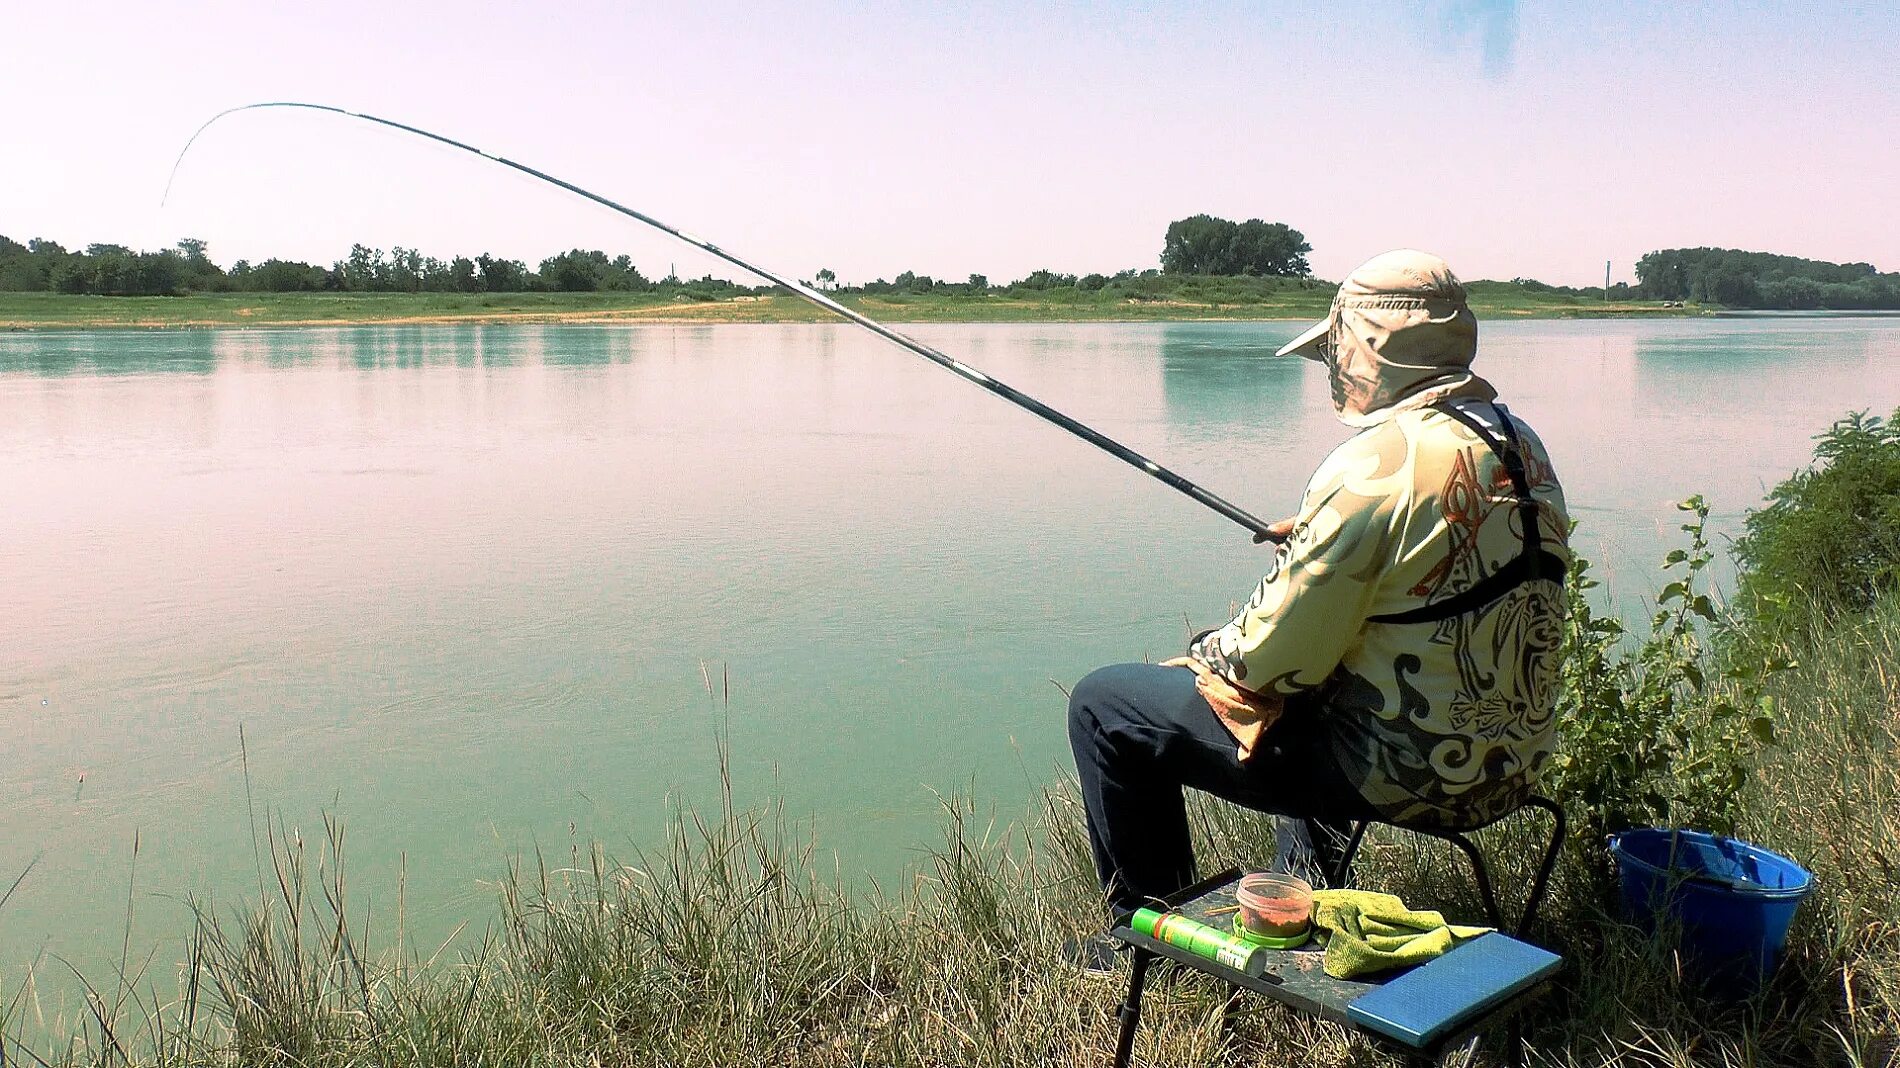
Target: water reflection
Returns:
[1732, 372]
[366, 348]
[59, 353]
[1226, 374]
[596, 346]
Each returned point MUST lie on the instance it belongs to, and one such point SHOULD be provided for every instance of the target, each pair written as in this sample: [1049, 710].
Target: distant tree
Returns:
[978, 284]
[462, 275]
[1762, 279]
[1797, 294]
[569, 272]
[22, 270]
[198, 272]
[284, 276]
[1043, 279]
[502, 276]
[363, 271]
[433, 275]
[404, 272]
[1204, 244]
[912, 282]
[826, 279]
[587, 270]
[1663, 275]
[1198, 244]
[1726, 285]
[1266, 248]
[621, 275]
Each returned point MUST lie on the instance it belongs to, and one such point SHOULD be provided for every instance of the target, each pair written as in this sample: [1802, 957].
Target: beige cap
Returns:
[1401, 280]
[1399, 334]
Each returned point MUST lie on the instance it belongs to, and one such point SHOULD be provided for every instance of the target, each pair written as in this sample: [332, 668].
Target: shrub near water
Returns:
[1664, 733]
[734, 944]
[1829, 541]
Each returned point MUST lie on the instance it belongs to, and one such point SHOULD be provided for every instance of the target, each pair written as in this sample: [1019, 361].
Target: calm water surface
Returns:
[475, 590]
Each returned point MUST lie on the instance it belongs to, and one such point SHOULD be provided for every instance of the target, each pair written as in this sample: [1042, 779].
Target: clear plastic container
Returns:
[1274, 905]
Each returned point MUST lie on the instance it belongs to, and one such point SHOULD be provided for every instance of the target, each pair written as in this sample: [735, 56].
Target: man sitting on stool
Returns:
[1399, 659]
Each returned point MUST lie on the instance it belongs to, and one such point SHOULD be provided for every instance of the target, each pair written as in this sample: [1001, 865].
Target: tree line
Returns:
[114, 270]
[1764, 280]
[1271, 255]
[1199, 245]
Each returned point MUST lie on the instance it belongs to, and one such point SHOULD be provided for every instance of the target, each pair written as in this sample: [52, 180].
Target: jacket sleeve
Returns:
[1312, 605]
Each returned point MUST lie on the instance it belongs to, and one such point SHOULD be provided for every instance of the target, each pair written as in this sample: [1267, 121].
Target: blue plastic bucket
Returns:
[1733, 901]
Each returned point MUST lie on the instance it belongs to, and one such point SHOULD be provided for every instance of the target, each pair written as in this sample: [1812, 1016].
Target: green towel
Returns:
[1369, 932]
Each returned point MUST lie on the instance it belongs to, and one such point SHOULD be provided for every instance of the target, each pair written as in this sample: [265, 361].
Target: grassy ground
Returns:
[735, 944]
[1215, 299]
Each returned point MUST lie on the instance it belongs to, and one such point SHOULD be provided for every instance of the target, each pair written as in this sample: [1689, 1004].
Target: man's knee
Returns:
[1101, 691]
[1086, 701]
[1115, 697]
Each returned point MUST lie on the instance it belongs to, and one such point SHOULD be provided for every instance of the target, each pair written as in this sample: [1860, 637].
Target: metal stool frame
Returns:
[1539, 886]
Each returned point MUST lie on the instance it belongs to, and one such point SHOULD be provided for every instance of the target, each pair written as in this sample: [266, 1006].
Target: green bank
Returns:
[1192, 299]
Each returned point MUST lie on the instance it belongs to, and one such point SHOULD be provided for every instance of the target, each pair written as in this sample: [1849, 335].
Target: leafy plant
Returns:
[1665, 730]
[1829, 540]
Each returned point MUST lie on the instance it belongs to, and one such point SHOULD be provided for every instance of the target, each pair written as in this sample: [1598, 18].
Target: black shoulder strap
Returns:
[1532, 563]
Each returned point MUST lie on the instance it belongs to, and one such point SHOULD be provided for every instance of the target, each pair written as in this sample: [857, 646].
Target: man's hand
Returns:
[1276, 532]
[1246, 715]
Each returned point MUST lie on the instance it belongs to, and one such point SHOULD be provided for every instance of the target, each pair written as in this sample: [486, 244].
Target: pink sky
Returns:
[1535, 139]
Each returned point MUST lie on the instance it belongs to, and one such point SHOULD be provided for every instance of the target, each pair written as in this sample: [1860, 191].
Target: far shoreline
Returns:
[24, 312]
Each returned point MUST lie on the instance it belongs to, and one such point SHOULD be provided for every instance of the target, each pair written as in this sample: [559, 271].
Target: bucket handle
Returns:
[1681, 875]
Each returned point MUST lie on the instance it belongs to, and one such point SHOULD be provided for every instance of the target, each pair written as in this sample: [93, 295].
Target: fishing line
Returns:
[1015, 396]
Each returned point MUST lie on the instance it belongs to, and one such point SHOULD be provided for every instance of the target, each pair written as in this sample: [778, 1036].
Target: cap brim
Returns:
[1308, 343]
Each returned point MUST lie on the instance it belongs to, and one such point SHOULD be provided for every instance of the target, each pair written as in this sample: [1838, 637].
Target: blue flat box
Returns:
[1419, 1007]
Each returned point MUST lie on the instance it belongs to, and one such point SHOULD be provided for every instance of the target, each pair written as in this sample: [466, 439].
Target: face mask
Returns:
[1329, 356]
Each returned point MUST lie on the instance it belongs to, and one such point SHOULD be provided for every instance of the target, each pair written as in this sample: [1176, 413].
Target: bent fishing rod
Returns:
[1261, 530]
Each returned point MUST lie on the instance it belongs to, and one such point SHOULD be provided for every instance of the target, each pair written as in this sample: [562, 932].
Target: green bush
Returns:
[1663, 731]
[1829, 540]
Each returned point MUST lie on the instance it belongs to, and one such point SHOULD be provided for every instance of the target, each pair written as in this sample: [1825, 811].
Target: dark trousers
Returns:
[1142, 732]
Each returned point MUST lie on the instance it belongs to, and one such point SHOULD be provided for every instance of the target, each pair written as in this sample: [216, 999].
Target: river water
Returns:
[477, 590]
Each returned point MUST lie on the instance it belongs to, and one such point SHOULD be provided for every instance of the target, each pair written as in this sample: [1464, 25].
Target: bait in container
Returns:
[1276, 910]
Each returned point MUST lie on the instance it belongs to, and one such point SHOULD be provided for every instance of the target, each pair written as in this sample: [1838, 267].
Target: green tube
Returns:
[1198, 938]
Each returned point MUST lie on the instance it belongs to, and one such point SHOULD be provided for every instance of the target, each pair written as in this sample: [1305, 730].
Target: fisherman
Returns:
[1398, 661]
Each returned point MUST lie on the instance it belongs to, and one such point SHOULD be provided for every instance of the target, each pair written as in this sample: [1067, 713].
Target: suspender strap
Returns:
[1525, 567]
[1532, 563]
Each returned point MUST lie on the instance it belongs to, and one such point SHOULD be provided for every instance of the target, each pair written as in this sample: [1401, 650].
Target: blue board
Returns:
[1422, 1005]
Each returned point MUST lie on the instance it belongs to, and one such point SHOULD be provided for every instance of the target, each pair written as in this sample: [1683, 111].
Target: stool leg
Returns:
[1336, 864]
[1542, 883]
[1130, 1012]
[1483, 876]
[1234, 995]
